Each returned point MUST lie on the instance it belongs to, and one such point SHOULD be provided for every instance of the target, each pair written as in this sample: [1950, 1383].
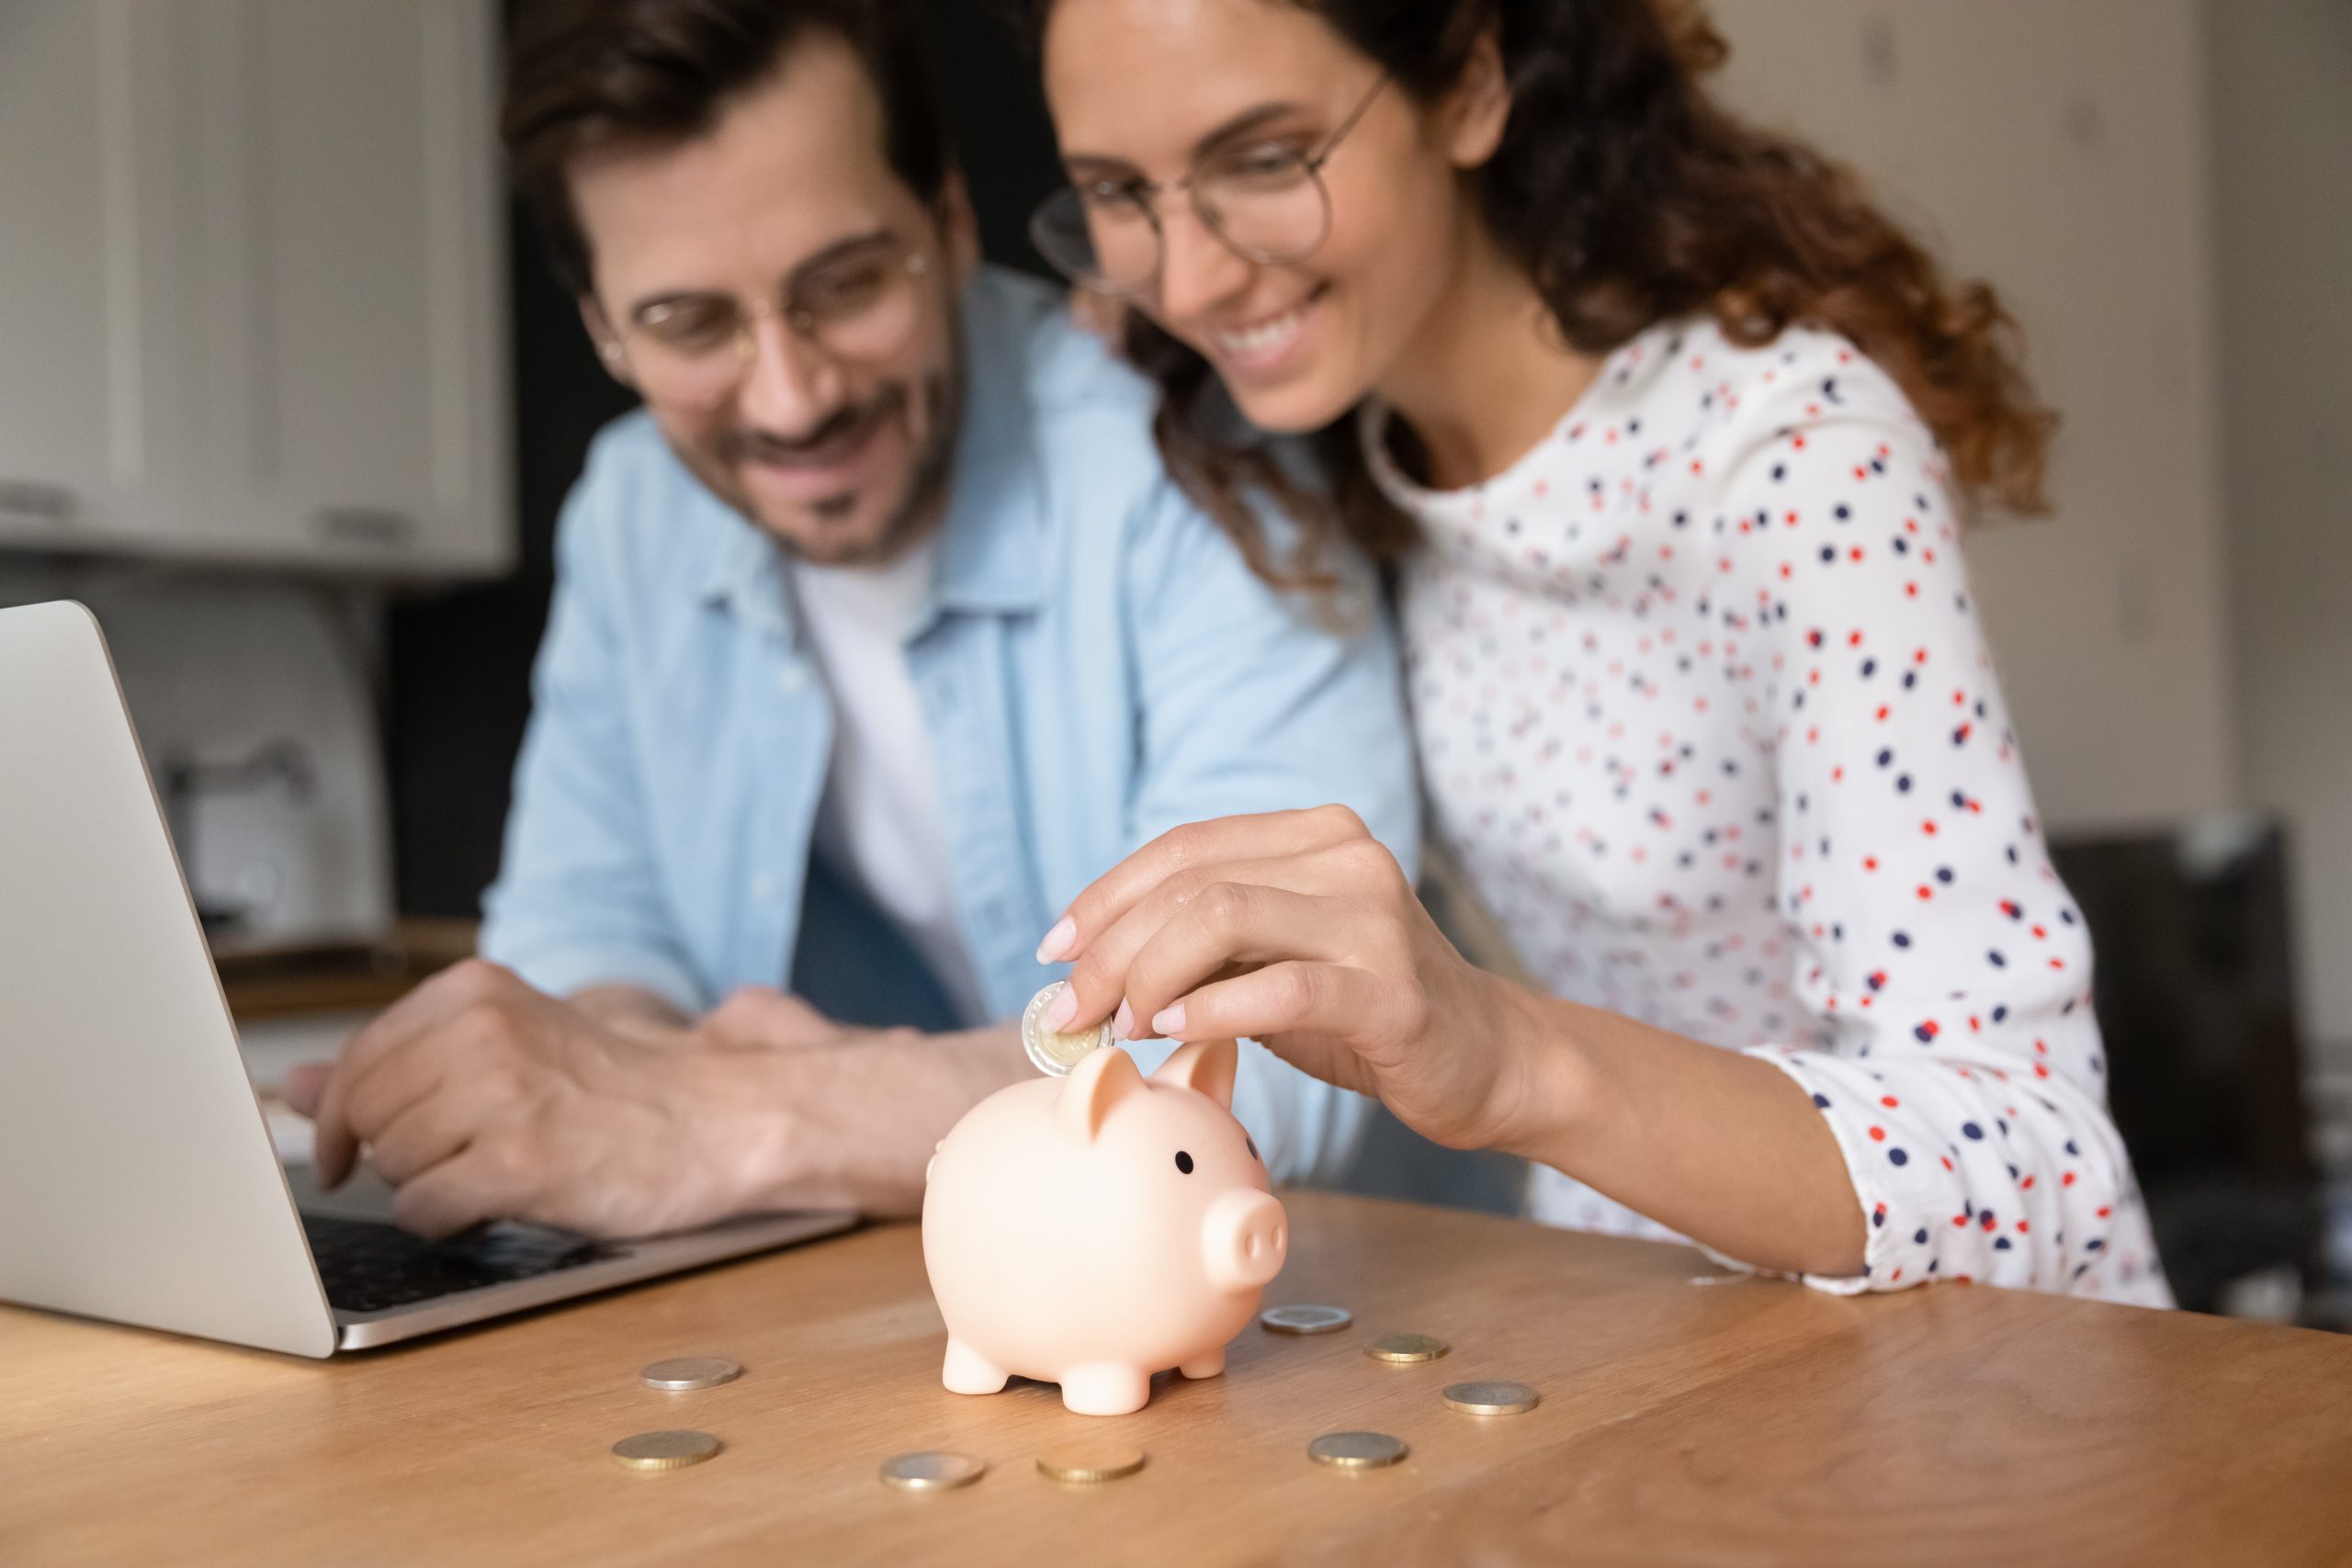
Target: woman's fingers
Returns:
[1297, 997]
[1265, 836]
[1102, 976]
[1230, 925]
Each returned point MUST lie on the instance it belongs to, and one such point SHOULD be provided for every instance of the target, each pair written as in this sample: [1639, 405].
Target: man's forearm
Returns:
[853, 1126]
[633, 1010]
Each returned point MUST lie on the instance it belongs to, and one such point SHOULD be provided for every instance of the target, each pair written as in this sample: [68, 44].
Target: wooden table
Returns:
[1724, 1423]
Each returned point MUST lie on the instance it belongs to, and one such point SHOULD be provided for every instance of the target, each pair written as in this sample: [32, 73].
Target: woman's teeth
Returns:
[1254, 342]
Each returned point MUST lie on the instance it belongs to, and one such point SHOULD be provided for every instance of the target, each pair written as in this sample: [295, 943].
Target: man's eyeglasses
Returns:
[1265, 202]
[693, 351]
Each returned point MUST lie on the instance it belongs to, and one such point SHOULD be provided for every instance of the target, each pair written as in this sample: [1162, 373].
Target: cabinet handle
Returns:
[29, 498]
[364, 524]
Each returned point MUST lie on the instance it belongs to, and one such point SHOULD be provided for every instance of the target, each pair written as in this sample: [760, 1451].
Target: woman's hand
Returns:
[1298, 929]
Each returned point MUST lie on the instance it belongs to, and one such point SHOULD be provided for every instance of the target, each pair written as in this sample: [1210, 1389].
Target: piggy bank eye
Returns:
[1253, 1148]
[1183, 1162]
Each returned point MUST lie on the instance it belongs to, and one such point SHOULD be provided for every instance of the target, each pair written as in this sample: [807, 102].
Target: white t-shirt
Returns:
[879, 825]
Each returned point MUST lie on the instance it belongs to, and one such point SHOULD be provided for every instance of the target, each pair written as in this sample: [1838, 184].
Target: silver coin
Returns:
[1491, 1398]
[690, 1372]
[1052, 1053]
[932, 1470]
[1300, 1318]
[1357, 1451]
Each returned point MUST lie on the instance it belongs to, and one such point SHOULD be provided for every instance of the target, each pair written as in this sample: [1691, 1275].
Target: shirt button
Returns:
[791, 677]
[764, 888]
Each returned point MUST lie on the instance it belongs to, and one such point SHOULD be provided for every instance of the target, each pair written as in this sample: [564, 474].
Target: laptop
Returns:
[139, 1182]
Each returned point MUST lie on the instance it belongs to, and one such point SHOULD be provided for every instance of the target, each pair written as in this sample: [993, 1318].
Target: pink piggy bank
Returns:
[1095, 1229]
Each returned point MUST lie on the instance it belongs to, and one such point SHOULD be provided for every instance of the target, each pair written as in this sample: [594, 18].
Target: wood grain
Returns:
[1747, 1422]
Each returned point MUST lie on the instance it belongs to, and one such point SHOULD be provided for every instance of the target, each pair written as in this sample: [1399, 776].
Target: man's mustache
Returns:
[762, 446]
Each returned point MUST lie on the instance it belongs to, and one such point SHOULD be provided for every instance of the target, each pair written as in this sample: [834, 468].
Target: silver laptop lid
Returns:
[137, 1178]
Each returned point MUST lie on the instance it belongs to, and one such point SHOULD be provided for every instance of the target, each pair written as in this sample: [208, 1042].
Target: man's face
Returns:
[843, 457]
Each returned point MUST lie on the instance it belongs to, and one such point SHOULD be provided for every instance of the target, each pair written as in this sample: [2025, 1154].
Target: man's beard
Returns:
[923, 506]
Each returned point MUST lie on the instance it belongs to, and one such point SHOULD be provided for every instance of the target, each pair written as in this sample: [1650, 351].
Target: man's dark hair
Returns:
[583, 75]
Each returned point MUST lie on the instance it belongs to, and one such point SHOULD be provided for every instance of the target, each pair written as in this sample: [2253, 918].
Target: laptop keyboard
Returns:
[368, 1266]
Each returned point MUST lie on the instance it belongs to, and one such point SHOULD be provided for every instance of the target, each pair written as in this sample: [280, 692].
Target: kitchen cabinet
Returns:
[252, 283]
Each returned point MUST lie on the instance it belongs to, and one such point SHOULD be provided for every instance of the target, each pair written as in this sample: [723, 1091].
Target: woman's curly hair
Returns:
[1630, 197]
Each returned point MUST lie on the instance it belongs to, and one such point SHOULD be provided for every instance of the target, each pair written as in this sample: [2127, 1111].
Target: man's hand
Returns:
[478, 1097]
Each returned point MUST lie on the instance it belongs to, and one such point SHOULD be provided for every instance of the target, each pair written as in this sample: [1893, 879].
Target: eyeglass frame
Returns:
[799, 320]
[1146, 195]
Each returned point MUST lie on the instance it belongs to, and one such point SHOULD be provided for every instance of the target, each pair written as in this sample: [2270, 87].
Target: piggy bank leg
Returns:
[1206, 1366]
[1105, 1389]
[968, 1371]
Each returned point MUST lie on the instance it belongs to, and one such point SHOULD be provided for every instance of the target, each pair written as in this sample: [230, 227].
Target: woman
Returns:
[1670, 434]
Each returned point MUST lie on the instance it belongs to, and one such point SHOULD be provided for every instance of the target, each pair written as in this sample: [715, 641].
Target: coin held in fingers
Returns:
[1053, 1052]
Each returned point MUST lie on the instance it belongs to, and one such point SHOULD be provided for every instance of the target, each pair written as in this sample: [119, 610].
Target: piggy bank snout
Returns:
[1245, 1237]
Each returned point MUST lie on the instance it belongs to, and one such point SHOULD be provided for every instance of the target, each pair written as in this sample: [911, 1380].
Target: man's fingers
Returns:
[433, 1129]
[437, 999]
[1265, 836]
[473, 1186]
[305, 1083]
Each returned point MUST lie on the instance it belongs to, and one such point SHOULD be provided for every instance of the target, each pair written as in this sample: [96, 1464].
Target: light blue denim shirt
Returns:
[1096, 664]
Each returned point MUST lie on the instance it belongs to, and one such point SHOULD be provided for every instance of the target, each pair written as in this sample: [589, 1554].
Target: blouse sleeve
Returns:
[1944, 966]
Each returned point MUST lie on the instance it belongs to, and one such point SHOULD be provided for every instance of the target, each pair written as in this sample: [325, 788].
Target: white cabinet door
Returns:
[353, 221]
[95, 290]
[253, 282]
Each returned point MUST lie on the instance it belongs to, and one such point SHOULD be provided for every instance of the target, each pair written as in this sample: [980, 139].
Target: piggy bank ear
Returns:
[1207, 1066]
[1101, 1080]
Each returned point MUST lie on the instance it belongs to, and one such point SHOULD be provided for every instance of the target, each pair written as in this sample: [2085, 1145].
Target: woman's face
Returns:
[1146, 89]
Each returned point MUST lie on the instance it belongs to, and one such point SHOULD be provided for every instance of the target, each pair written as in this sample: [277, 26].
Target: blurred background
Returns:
[289, 397]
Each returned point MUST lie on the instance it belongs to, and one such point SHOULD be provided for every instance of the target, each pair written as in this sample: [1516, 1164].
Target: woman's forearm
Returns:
[1722, 1147]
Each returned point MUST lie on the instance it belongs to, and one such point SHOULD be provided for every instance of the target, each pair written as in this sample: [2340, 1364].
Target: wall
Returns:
[2281, 95]
[2062, 151]
[213, 668]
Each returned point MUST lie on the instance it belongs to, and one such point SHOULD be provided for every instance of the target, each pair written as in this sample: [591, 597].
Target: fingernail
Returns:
[1065, 1008]
[1122, 1023]
[1058, 941]
[1168, 1021]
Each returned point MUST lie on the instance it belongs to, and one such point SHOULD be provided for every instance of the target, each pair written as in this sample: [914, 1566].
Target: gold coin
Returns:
[1053, 1053]
[932, 1470]
[1086, 1461]
[665, 1450]
[1301, 1319]
[690, 1371]
[1491, 1398]
[1406, 1347]
[1357, 1451]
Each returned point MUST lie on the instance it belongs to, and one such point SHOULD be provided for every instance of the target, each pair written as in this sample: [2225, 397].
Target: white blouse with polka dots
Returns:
[1705, 710]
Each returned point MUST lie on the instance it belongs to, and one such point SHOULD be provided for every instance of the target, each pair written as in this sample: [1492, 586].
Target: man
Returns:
[879, 633]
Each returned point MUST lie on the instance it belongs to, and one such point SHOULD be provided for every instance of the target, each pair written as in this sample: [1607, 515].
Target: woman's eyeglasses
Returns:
[1266, 202]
